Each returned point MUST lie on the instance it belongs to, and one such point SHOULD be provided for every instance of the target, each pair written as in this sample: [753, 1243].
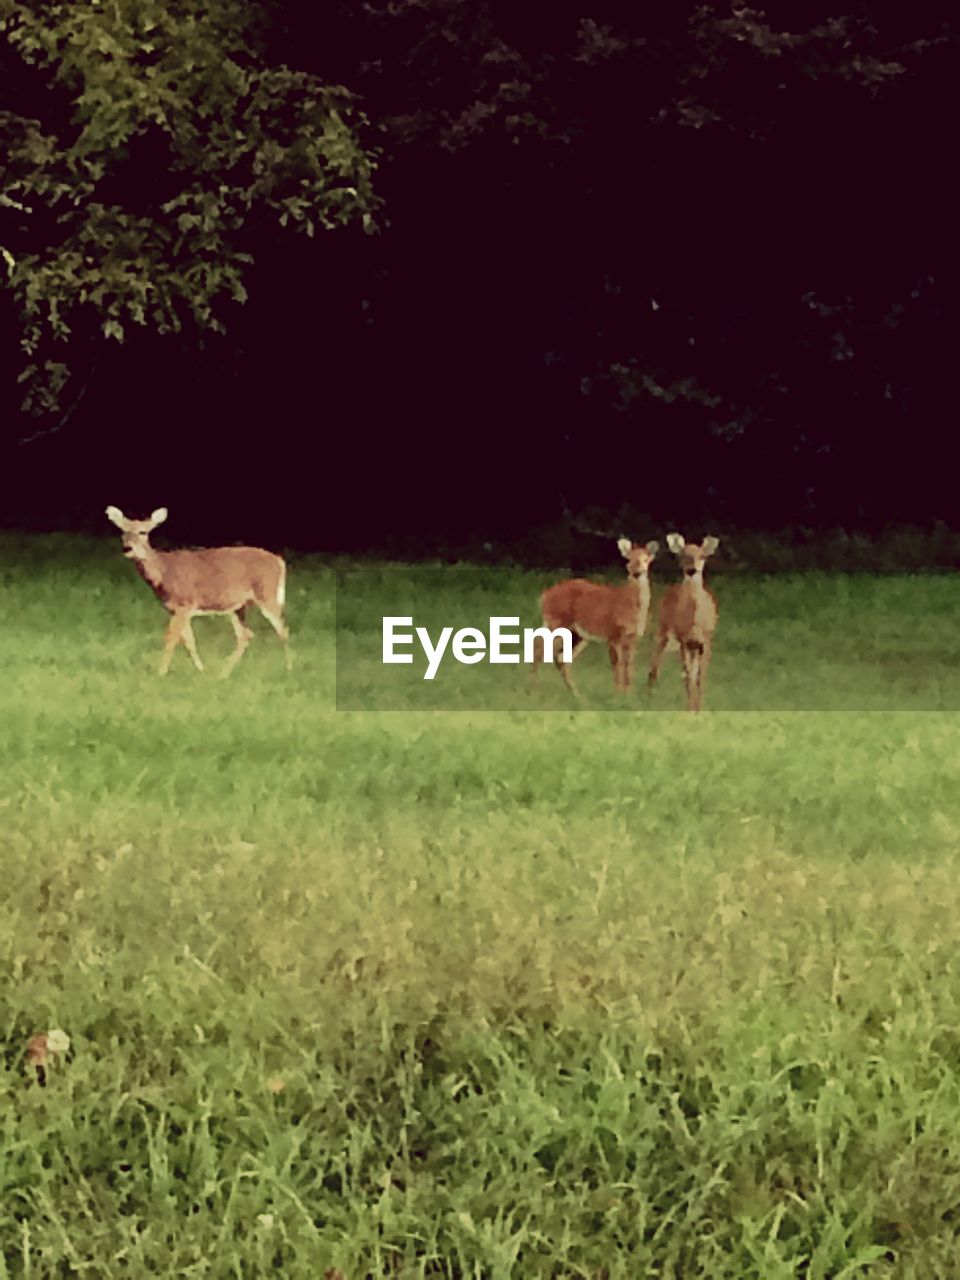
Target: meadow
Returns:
[478, 982]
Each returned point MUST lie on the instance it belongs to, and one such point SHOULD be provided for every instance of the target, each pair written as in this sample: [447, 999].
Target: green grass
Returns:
[546, 992]
[793, 642]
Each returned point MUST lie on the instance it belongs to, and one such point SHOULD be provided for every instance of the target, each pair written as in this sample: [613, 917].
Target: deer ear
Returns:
[626, 546]
[158, 516]
[653, 547]
[116, 516]
[710, 544]
[675, 543]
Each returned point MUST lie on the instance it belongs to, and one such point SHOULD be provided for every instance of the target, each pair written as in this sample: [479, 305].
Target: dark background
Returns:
[776, 235]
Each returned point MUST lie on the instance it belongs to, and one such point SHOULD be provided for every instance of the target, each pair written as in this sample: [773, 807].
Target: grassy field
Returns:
[537, 991]
[790, 642]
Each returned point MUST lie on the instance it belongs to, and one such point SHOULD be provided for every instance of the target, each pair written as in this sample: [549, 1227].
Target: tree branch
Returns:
[67, 414]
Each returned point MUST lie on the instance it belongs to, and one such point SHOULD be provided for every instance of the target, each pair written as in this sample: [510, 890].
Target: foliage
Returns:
[690, 209]
[131, 197]
[475, 68]
[669, 222]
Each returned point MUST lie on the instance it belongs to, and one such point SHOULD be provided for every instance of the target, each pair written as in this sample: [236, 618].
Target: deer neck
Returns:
[694, 585]
[639, 589]
[149, 565]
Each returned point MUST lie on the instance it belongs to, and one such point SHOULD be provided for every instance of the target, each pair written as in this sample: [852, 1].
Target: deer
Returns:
[688, 617]
[596, 611]
[211, 580]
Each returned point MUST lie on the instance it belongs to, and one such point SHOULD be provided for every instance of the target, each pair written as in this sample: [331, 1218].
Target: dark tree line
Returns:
[430, 266]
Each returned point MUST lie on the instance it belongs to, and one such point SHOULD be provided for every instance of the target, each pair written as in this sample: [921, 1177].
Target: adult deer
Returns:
[213, 580]
[688, 616]
[594, 611]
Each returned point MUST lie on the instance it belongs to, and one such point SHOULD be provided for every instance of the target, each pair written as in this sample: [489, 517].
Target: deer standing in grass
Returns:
[688, 616]
[595, 611]
[214, 580]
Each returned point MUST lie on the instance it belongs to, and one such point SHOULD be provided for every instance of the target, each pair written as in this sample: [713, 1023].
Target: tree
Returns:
[735, 229]
[145, 149]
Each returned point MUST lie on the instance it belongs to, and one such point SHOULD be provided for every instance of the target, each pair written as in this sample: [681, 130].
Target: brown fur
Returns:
[595, 611]
[209, 580]
[688, 614]
[213, 579]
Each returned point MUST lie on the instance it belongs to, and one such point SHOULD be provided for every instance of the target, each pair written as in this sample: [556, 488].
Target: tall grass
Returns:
[549, 992]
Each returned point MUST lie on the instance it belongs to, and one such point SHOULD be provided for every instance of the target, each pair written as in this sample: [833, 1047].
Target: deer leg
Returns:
[704, 663]
[686, 660]
[692, 673]
[629, 652]
[616, 664]
[171, 640]
[579, 644]
[283, 635]
[663, 639]
[244, 636]
[539, 654]
[190, 644]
